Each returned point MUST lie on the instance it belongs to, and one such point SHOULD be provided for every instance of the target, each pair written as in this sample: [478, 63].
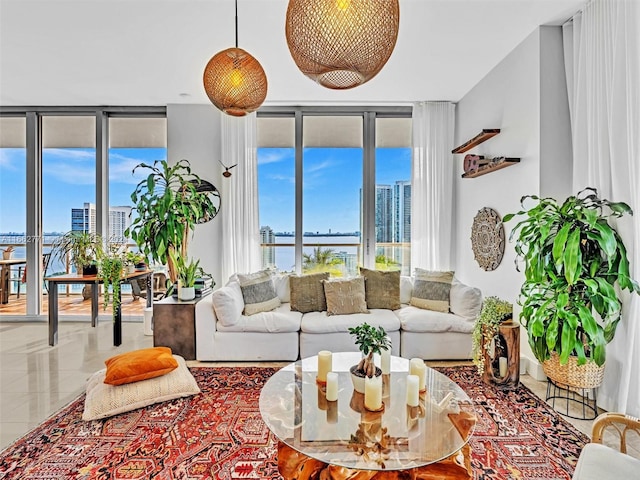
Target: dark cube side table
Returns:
[174, 326]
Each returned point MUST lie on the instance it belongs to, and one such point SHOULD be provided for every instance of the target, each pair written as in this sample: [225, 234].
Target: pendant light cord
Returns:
[236, 23]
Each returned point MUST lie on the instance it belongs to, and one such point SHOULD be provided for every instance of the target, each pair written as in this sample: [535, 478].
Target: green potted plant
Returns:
[81, 248]
[187, 271]
[369, 340]
[167, 206]
[494, 312]
[111, 264]
[134, 261]
[574, 260]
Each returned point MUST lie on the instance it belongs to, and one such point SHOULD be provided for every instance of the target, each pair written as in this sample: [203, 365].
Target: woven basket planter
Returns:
[571, 374]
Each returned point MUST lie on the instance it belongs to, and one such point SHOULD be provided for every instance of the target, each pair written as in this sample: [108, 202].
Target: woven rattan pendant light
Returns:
[341, 43]
[235, 81]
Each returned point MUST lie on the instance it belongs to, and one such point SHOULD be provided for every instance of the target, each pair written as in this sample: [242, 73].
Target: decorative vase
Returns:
[358, 381]
[6, 255]
[187, 293]
[131, 268]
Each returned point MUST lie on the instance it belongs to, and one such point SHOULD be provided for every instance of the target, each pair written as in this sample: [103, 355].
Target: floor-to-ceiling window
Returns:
[334, 185]
[69, 168]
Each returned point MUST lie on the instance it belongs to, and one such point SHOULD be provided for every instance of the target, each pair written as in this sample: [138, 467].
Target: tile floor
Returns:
[37, 380]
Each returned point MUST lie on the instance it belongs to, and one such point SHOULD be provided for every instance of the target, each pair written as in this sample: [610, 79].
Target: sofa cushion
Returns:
[139, 365]
[414, 319]
[258, 292]
[228, 304]
[345, 296]
[320, 322]
[465, 301]
[281, 282]
[279, 320]
[382, 288]
[431, 290]
[307, 292]
[406, 288]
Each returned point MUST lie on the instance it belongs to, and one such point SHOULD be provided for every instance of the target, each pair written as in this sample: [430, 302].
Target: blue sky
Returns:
[332, 182]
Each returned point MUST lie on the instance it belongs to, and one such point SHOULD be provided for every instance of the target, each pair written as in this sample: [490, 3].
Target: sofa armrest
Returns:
[205, 328]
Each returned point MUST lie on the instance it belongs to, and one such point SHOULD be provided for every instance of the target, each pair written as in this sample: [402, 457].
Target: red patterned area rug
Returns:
[220, 434]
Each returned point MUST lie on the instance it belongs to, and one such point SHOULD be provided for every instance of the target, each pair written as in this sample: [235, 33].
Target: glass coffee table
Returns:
[344, 438]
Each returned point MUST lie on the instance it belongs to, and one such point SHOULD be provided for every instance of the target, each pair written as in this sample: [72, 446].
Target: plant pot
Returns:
[140, 267]
[131, 268]
[187, 293]
[89, 270]
[7, 255]
[571, 374]
[358, 381]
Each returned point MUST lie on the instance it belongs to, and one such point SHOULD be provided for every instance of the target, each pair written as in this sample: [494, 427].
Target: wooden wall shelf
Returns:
[483, 136]
[491, 167]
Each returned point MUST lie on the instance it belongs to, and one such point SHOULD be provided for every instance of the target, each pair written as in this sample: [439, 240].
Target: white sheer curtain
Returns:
[240, 248]
[432, 185]
[602, 58]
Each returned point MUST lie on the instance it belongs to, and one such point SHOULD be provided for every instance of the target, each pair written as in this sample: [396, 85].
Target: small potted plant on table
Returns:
[187, 271]
[369, 340]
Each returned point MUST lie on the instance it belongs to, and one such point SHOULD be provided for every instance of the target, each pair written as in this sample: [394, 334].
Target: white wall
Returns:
[194, 134]
[525, 96]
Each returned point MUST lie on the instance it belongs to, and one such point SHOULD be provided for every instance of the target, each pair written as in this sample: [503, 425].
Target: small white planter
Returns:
[187, 293]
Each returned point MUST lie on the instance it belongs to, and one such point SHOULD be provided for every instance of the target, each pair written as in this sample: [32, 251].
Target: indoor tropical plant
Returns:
[574, 259]
[167, 206]
[110, 268]
[369, 340]
[187, 270]
[494, 312]
[82, 248]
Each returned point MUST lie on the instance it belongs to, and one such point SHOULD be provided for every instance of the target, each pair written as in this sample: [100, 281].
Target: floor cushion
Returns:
[103, 400]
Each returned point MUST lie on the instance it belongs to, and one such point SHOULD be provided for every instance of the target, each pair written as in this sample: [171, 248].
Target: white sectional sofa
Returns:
[283, 334]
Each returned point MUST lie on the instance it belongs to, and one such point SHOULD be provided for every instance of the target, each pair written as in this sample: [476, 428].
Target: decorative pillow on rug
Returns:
[431, 290]
[139, 365]
[307, 292]
[382, 288]
[345, 296]
[228, 304]
[258, 292]
[104, 400]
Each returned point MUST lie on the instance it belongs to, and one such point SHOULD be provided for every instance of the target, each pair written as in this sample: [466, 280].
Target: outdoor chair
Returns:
[21, 276]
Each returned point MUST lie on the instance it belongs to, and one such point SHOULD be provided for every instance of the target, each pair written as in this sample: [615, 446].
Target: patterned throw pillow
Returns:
[382, 288]
[307, 292]
[431, 290]
[258, 292]
[345, 296]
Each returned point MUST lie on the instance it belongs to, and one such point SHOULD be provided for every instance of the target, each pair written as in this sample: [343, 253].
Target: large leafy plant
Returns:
[574, 259]
[168, 205]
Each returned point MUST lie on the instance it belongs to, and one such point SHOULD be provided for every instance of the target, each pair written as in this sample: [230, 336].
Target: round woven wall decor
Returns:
[341, 43]
[487, 239]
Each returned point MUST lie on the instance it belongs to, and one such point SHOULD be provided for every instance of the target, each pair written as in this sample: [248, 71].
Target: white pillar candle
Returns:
[503, 366]
[414, 364]
[385, 362]
[412, 390]
[373, 392]
[332, 386]
[324, 365]
[418, 368]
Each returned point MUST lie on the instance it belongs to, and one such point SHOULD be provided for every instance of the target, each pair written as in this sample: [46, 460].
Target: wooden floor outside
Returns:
[72, 304]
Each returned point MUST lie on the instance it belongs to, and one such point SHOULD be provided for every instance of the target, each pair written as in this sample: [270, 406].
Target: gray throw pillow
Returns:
[431, 290]
[307, 292]
[382, 288]
[258, 292]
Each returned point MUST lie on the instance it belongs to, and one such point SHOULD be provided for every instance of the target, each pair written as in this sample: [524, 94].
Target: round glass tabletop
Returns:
[344, 433]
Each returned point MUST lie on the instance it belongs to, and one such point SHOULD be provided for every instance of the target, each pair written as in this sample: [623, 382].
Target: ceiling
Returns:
[153, 52]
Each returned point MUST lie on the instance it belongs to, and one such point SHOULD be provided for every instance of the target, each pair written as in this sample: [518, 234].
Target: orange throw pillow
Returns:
[139, 365]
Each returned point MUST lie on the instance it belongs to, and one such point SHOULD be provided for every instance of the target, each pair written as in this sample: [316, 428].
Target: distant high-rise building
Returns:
[402, 211]
[268, 253]
[384, 213]
[84, 220]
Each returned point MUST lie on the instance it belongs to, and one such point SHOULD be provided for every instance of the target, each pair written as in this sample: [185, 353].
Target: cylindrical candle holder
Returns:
[332, 386]
[332, 412]
[412, 390]
[322, 398]
[373, 393]
[324, 365]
